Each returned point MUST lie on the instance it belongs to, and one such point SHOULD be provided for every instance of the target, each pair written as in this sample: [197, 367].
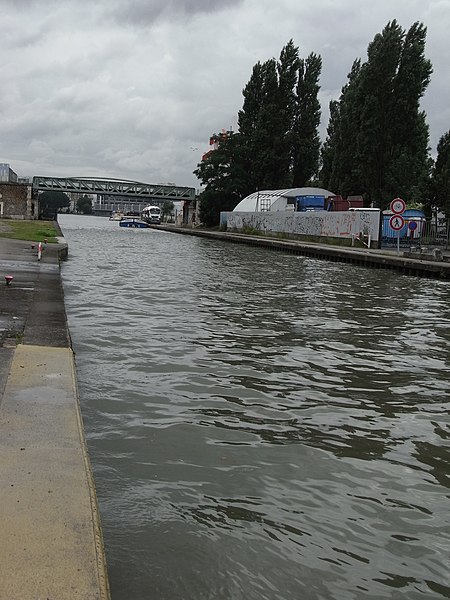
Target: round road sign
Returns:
[398, 206]
[412, 225]
[396, 222]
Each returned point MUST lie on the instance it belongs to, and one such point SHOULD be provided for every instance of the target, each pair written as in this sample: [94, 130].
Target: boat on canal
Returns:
[116, 216]
[133, 222]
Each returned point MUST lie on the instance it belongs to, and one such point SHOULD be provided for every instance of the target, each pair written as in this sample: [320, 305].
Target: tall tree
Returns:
[167, 210]
[342, 171]
[222, 175]
[262, 129]
[279, 121]
[380, 145]
[248, 122]
[51, 202]
[377, 83]
[84, 205]
[306, 140]
[288, 73]
[328, 150]
[440, 182]
[409, 164]
[269, 134]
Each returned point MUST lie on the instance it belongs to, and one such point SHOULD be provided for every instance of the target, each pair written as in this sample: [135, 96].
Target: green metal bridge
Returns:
[133, 190]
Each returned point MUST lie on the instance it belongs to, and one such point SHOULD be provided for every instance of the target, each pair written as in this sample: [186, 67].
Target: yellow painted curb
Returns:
[51, 538]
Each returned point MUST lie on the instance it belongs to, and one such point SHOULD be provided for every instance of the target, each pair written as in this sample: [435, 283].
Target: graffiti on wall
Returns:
[340, 224]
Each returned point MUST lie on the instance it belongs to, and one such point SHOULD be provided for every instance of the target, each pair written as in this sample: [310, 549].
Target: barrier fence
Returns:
[418, 231]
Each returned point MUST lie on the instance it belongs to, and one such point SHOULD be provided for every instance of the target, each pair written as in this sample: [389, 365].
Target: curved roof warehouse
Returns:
[277, 200]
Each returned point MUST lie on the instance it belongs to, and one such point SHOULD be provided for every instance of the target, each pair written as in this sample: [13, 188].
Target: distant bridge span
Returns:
[113, 187]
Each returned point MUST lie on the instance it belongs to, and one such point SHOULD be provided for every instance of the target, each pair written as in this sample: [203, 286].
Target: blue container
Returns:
[305, 203]
[409, 215]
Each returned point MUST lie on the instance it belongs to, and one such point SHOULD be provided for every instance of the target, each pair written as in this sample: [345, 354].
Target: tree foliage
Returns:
[377, 135]
[278, 122]
[341, 171]
[167, 209]
[305, 139]
[221, 172]
[263, 127]
[52, 201]
[248, 122]
[377, 140]
[289, 66]
[84, 205]
[440, 181]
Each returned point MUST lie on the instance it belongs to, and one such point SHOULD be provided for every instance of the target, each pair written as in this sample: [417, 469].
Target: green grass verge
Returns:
[33, 231]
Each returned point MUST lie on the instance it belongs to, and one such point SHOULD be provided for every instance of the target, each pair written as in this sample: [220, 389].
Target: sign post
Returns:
[398, 206]
[397, 222]
[412, 226]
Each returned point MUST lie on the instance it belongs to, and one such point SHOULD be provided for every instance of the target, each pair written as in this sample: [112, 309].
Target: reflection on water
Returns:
[261, 426]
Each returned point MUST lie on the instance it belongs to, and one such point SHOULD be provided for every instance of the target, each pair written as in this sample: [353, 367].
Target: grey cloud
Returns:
[92, 88]
[146, 13]
[20, 38]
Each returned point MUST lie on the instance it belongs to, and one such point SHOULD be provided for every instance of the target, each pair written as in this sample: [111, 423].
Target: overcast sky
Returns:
[133, 89]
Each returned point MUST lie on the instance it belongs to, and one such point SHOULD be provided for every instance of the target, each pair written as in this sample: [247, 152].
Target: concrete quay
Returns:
[51, 542]
[422, 266]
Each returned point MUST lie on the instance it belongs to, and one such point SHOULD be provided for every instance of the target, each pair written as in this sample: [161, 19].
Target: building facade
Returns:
[7, 175]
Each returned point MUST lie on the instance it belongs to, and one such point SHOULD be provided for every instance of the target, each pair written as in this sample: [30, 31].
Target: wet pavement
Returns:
[52, 545]
[32, 305]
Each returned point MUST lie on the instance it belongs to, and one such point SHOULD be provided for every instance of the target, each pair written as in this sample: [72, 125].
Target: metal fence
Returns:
[418, 232]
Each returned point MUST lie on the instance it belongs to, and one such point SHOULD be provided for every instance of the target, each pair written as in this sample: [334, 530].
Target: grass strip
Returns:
[33, 231]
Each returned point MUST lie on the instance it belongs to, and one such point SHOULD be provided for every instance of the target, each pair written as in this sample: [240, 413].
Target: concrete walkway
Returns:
[51, 541]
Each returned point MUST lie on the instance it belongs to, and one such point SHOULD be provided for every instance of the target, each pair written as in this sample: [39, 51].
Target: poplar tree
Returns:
[279, 121]
[329, 150]
[277, 138]
[377, 110]
[440, 181]
[265, 124]
[408, 168]
[306, 140]
[379, 147]
[248, 122]
[269, 134]
[288, 75]
[341, 170]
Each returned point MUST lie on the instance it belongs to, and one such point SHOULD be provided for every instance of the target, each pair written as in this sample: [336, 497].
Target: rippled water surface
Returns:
[261, 426]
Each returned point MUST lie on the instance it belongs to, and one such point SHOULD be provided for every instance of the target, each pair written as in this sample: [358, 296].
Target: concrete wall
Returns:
[341, 225]
[16, 201]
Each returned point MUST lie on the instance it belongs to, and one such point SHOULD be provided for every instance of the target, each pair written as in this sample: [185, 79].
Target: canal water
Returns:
[262, 426]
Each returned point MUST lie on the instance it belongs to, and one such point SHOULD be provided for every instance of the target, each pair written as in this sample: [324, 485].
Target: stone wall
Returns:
[340, 224]
[16, 201]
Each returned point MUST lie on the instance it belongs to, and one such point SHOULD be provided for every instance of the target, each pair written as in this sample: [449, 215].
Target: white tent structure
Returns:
[277, 200]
